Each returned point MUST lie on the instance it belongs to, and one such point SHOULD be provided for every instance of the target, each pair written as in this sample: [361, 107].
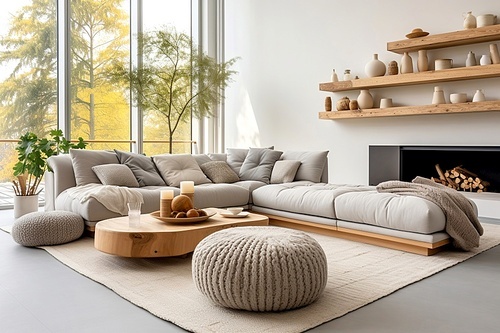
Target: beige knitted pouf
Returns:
[47, 228]
[260, 268]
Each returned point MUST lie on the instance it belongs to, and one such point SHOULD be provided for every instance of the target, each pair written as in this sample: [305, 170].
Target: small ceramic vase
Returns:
[471, 59]
[469, 21]
[438, 96]
[478, 96]
[392, 68]
[365, 99]
[328, 103]
[335, 77]
[422, 61]
[347, 75]
[495, 57]
[375, 67]
[406, 64]
[485, 60]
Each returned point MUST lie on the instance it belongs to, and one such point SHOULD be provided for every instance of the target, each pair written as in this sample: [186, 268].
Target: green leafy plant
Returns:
[32, 154]
[175, 80]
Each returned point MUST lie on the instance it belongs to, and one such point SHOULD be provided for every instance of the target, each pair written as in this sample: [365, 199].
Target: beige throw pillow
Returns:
[219, 172]
[115, 174]
[284, 171]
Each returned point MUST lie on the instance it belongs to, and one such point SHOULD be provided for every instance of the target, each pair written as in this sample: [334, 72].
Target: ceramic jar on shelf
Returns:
[406, 64]
[438, 96]
[334, 77]
[495, 57]
[365, 99]
[485, 60]
[375, 67]
[471, 59]
[392, 68]
[478, 96]
[470, 21]
[422, 61]
[347, 75]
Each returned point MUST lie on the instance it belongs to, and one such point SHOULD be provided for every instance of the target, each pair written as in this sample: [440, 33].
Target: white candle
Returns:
[187, 186]
[167, 194]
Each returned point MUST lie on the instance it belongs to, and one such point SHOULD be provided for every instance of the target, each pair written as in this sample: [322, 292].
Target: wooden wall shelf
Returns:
[456, 38]
[486, 106]
[445, 75]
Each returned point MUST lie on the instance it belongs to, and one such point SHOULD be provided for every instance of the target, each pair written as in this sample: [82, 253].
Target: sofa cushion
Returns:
[143, 168]
[176, 168]
[235, 158]
[83, 161]
[258, 164]
[284, 171]
[389, 210]
[312, 164]
[302, 197]
[219, 172]
[115, 174]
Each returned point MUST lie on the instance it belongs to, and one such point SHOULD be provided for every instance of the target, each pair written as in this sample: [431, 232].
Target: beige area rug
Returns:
[358, 274]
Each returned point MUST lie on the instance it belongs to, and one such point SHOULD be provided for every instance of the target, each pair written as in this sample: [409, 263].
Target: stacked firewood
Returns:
[461, 179]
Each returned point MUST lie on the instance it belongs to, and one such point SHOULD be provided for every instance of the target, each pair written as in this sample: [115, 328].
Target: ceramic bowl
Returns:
[235, 210]
[458, 98]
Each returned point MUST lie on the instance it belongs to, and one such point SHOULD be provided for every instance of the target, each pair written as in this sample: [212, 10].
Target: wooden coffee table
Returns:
[154, 238]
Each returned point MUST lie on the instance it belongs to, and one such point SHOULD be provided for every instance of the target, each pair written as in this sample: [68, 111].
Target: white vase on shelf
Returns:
[438, 96]
[470, 21]
[485, 60]
[422, 61]
[478, 96]
[365, 99]
[334, 77]
[375, 67]
[406, 64]
[471, 59]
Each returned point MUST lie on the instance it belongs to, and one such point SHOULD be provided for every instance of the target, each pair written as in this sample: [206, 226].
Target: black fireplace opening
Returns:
[413, 161]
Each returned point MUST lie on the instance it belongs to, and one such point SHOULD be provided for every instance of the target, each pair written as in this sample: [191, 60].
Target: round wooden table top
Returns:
[155, 238]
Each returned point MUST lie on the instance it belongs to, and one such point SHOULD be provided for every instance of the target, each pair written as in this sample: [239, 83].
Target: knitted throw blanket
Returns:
[114, 198]
[462, 223]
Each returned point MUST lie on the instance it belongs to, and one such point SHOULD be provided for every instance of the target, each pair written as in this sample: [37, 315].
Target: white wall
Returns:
[287, 47]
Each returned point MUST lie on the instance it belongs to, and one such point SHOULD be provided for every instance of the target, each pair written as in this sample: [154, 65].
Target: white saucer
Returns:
[228, 214]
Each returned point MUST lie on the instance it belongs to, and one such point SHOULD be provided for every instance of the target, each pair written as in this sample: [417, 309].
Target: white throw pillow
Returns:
[176, 168]
[284, 171]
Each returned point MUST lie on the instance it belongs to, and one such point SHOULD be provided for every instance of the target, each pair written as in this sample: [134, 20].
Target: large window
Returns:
[99, 35]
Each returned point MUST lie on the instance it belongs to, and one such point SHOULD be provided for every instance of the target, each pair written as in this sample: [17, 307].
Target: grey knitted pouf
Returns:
[260, 268]
[47, 228]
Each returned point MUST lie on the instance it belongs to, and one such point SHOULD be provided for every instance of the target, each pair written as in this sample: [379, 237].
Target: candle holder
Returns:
[165, 207]
[166, 203]
[190, 195]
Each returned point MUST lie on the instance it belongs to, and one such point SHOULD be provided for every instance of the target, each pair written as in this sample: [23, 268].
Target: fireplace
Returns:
[405, 162]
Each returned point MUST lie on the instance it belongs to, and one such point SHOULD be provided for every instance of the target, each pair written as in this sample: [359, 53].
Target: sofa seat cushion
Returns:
[220, 195]
[389, 210]
[303, 197]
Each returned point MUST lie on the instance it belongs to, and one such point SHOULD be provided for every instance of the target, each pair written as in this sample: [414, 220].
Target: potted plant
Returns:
[32, 153]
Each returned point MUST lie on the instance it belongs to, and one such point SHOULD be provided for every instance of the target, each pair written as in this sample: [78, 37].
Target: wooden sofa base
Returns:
[392, 242]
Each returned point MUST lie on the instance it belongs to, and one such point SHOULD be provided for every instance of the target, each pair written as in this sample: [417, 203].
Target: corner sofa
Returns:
[290, 187]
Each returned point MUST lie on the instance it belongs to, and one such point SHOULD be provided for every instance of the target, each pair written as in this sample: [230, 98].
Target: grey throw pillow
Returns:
[143, 168]
[176, 168]
[311, 166]
[115, 174]
[236, 157]
[284, 171]
[219, 172]
[83, 161]
[258, 164]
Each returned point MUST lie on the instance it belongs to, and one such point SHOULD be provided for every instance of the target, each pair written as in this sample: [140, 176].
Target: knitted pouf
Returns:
[47, 228]
[260, 268]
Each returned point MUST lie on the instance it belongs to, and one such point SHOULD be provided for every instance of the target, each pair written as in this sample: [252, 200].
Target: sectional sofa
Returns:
[290, 187]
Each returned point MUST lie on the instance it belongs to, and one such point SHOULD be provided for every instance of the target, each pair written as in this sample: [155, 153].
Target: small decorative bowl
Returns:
[458, 98]
[235, 210]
